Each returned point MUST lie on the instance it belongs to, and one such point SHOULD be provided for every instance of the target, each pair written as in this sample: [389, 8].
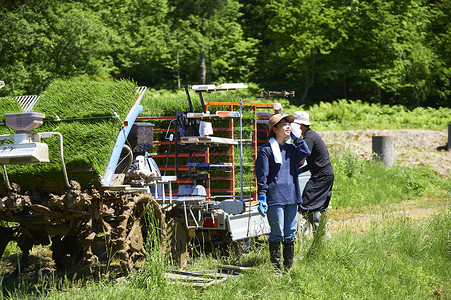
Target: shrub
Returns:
[347, 115]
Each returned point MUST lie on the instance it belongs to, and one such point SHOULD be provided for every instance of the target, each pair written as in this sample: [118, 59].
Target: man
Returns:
[318, 190]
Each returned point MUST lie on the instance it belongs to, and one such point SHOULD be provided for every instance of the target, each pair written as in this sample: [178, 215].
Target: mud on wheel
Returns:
[86, 228]
[124, 225]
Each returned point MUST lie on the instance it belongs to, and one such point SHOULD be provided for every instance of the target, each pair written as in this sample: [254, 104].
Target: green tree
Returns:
[439, 39]
[384, 51]
[373, 50]
[41, 41]
[209, 42]
[395, 63]
[301, 34]
[140, 45]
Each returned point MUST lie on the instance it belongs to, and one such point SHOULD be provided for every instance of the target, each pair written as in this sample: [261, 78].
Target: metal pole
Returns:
[241, 169]
[448, 146]
[202, 103]
[6, 179]
[189, 98]
[383, 149]
[241, 148]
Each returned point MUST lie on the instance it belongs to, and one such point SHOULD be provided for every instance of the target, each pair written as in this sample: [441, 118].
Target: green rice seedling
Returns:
[316, 247]
[8, 105]
[85, 114]
[161, 103]
[11, 249]
[151, 277]
[167, 103]
[83, 99]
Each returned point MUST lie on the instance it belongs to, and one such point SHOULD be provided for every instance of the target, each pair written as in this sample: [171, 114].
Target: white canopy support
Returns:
[223, 87]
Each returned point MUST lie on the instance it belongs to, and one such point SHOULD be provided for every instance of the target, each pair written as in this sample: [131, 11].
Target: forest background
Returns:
[379, 51]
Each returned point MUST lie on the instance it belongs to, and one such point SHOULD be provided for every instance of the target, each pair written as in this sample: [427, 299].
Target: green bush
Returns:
[347, 115]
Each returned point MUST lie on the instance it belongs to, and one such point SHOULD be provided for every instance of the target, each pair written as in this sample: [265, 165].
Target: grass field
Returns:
[395, 257]
[391, 232]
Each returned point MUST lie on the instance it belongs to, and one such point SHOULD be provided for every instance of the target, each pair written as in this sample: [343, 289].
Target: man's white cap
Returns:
[301, 117]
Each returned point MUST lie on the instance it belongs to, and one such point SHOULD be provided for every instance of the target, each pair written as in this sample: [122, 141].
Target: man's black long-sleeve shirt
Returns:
[318, 162]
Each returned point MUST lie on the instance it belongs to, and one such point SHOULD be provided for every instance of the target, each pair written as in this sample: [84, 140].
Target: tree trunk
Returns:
[309, 82]
[179, 86]
[344, 87]
[203, 67]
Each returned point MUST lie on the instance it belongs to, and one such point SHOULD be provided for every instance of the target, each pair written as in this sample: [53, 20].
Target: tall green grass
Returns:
[396, 258]
[361, 183]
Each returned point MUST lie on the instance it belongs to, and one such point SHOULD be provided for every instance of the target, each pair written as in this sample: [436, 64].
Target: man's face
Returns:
[303, 129]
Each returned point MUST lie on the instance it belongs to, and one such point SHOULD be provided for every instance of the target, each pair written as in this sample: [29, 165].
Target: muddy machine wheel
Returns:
[179, 241]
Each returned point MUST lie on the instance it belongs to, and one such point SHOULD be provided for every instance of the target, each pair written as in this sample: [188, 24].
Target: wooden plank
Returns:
[233, 268]
[186, 277]
[201, 284]
[209, 274]
[201, 278]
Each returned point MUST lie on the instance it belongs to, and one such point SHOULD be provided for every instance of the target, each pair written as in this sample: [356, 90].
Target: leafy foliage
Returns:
[42, 41]
[375, 50]
[209, 43]
[347, 115]
[387, 52]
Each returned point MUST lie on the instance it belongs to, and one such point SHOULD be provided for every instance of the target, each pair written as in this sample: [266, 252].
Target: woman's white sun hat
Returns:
[301, 117]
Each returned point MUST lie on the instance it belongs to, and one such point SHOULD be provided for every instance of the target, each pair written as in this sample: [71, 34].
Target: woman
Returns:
[278, 187]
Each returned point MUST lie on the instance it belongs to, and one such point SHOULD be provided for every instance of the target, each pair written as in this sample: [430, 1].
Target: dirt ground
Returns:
[413, 147]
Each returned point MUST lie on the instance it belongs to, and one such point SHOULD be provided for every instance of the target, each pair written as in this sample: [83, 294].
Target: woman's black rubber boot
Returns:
[274, 254]
[288, 256]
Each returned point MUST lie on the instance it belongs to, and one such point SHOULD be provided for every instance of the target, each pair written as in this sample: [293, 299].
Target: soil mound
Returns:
[413, 147]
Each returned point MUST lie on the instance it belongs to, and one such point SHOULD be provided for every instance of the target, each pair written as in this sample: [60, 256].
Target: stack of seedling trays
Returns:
[89, 115]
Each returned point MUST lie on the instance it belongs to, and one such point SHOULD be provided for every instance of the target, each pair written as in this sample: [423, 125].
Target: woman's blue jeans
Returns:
[283, 220]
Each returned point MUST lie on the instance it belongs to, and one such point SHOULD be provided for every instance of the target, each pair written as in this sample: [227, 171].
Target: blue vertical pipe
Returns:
[120, 141]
